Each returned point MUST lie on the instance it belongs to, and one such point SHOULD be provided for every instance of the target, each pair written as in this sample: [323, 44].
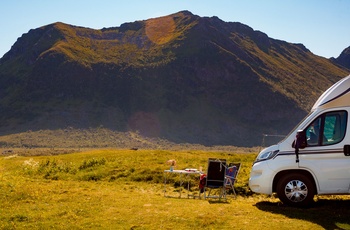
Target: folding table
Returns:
[184, 175]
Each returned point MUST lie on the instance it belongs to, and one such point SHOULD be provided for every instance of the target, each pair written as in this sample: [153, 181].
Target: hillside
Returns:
[182, 78]
[344, 58]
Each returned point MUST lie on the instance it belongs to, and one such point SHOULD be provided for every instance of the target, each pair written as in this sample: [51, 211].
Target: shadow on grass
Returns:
[218, 202]
[330, 214]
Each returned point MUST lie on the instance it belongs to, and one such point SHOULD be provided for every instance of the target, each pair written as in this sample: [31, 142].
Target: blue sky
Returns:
[321, 25]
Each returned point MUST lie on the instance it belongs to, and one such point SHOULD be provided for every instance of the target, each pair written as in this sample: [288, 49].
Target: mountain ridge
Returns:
[180, 77]
[344, 58]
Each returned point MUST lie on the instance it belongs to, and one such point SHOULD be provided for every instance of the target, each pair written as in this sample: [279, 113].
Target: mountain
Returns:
[181, 77]
[344, 58]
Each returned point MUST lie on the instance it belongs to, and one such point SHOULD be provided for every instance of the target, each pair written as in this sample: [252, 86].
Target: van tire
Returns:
[296, 190]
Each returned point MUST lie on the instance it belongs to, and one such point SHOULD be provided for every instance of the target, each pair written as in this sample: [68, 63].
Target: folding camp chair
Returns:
[215, 178]
[231, 176]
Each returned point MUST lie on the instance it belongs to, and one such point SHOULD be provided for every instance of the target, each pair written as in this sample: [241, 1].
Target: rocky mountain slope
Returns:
[183, 78]
[344, 58]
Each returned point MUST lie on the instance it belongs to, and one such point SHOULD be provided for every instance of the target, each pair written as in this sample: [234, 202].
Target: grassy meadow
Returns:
[124, 189]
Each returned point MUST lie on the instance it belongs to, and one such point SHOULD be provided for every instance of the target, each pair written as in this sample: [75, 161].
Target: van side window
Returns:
[327, 129]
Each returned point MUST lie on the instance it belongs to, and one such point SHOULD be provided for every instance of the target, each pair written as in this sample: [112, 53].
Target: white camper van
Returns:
[314, 158]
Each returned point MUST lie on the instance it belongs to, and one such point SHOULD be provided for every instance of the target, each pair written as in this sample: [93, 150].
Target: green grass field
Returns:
[124, 189]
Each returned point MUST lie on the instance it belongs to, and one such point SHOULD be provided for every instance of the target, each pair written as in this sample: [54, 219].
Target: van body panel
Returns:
[335, 96]
[261, 178]
[339, 102]
[332, 170]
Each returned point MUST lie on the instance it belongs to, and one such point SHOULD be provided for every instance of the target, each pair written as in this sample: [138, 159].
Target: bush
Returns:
[92, 177]
[51, 169]
[91, 163]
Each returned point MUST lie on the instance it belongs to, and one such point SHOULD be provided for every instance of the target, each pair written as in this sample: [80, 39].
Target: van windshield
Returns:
[295, 127]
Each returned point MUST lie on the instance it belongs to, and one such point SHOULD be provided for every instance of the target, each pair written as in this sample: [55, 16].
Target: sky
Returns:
[321, 25]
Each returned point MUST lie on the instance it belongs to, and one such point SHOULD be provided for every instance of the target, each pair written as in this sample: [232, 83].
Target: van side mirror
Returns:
[300, 140]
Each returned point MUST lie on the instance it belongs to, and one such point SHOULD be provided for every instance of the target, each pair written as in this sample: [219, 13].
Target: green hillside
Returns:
[183, 78]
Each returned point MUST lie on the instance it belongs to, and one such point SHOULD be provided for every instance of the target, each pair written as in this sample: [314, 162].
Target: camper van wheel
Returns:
[295, 190]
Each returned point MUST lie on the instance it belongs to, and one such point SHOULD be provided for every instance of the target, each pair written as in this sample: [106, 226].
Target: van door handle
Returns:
[347, 150]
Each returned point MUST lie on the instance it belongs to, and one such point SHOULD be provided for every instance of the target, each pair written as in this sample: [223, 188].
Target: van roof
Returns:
[336, 96]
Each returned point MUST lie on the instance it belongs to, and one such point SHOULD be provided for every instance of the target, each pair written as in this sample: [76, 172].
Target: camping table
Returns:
[184, 175]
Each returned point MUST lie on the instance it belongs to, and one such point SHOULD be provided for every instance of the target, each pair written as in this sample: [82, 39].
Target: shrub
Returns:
[92, 177]
[91, 163]
[51, 169]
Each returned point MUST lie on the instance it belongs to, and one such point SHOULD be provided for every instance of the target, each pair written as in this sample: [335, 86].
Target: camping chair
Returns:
[215, 178]
[231, 176]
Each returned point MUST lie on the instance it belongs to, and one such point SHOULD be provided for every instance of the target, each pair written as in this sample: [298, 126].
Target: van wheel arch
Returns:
[283, 173]
[287, 183]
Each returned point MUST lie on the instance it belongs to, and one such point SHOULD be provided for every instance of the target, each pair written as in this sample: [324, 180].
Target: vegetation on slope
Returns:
[123, 189]
[180, 77]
